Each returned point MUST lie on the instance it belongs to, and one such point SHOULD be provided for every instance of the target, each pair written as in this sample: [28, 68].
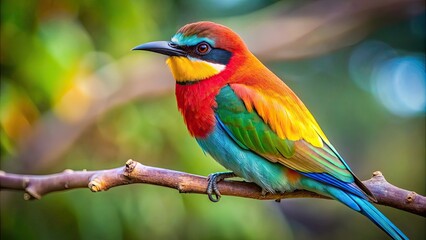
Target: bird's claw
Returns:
[212, 188]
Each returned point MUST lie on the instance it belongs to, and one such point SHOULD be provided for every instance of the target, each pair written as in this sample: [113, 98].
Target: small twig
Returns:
[133, 172]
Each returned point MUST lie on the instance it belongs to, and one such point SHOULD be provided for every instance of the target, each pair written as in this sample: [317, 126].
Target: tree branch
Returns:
[36, 186]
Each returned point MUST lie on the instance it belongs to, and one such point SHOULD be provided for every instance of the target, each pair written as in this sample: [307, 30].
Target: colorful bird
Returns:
[253, 124]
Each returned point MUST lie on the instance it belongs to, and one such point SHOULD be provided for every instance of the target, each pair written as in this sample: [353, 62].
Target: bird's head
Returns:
[198, 51]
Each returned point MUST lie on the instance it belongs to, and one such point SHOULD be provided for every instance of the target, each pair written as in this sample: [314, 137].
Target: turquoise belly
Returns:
[245, 163]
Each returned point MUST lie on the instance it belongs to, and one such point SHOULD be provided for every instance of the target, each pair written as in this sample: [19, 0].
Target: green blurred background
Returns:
[73, 96]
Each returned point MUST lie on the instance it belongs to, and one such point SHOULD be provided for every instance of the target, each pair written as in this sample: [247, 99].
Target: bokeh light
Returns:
[395, 78]
[400, 84]
[365, 57]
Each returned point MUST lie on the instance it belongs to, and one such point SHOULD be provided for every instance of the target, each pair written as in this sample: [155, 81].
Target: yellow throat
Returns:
[188, 69]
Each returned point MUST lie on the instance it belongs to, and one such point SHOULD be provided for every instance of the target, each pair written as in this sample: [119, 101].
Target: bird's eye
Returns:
[203, 48]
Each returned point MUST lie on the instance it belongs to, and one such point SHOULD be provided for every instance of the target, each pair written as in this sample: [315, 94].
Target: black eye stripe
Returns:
[216, 55]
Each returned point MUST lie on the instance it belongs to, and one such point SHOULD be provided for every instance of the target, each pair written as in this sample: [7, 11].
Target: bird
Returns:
[253, 124]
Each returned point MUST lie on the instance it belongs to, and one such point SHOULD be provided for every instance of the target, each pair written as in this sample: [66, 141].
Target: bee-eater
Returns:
[253, 124]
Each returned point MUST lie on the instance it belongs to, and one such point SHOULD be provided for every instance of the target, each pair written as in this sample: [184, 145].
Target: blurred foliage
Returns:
[48, 48]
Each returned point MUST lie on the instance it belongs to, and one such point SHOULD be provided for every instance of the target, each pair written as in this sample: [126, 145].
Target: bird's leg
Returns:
[213, 179]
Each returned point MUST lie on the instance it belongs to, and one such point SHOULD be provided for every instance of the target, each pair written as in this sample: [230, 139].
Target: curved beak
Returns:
[162, 47]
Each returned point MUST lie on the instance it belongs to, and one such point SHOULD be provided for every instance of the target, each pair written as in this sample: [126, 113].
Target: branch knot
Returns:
[411, 197]
[130, 166]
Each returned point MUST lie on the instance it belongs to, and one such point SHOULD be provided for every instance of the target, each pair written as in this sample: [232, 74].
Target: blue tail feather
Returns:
[378, 218]
[364, 207]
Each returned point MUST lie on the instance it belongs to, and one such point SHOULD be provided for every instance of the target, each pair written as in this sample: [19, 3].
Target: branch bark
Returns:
[36, 186]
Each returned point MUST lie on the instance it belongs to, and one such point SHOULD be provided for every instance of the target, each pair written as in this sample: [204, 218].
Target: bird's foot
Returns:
[212, 188]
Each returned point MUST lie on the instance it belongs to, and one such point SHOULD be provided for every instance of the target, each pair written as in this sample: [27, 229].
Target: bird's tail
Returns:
[367, 209]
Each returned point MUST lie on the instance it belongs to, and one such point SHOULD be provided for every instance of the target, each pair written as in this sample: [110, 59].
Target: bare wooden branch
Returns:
[36, 186]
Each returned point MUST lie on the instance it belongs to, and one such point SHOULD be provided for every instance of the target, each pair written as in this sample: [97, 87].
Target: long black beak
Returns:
[163, 47]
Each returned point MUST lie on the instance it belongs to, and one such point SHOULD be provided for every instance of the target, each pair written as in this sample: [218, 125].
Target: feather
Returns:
[250, 131]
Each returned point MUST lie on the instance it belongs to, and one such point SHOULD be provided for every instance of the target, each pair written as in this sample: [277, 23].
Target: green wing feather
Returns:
[250, 131]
